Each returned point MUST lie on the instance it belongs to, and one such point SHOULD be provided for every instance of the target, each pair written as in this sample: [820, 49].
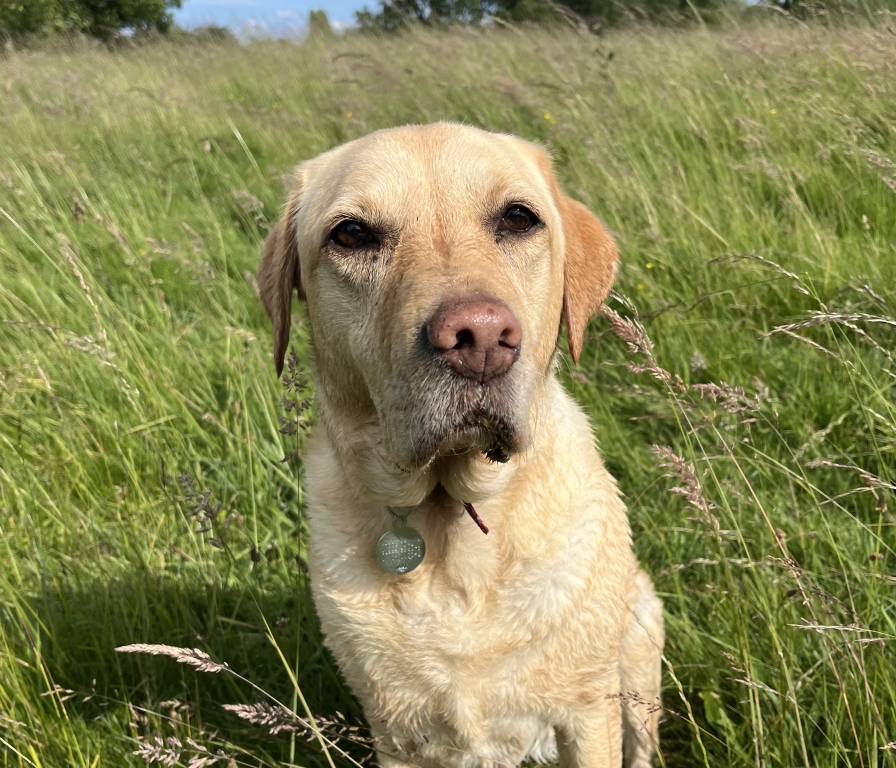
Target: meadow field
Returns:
[743, 389]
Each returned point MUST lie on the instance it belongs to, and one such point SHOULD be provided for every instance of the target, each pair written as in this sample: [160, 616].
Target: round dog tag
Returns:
[401, 549]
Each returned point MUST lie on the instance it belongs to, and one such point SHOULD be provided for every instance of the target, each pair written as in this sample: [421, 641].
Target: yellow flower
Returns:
[773, 111]
[649, 265]
[348, 114]
[640, 286]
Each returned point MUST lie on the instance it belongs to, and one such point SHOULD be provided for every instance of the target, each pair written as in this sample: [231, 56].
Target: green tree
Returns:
[18, 17]
[319, 24]
[393, 14]
[110, 16]
[102, 18]
[595, 14]
[591, 14]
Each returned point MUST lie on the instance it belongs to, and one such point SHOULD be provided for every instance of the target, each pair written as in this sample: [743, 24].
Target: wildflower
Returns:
[649, 265]
[348, 114]
[640, 286]
[773, 111]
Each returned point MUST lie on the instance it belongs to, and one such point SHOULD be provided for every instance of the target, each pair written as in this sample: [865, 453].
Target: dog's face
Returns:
[437, 262]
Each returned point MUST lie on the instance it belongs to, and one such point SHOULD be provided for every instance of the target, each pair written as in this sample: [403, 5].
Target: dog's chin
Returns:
[496, 445]
[491, 435]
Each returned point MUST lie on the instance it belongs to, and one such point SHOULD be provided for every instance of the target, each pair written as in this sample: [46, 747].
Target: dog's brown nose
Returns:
[478, 337]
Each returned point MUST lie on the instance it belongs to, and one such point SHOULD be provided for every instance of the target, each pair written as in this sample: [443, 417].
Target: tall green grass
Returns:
[750, 178]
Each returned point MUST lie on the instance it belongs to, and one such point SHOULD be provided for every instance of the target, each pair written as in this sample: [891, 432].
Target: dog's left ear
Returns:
[591, 260]
[279, 276]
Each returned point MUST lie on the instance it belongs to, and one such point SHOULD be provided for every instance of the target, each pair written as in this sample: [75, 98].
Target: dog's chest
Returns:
[433, 642]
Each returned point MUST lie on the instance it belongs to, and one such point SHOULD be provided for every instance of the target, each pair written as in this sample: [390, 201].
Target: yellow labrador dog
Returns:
[438, 263]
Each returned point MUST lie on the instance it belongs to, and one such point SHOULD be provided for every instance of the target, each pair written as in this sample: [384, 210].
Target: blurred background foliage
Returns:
[140, 19]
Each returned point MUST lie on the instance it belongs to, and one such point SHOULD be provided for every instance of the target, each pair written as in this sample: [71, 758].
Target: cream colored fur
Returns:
[500, 647]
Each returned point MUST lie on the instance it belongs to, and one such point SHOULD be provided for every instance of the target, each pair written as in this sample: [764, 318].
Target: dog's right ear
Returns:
[278, 276]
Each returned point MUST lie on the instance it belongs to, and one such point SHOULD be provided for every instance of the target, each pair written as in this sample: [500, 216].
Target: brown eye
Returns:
[518, 219]
[351, 234]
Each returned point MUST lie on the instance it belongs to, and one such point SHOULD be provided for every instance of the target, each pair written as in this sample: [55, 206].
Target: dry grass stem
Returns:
[193, 657]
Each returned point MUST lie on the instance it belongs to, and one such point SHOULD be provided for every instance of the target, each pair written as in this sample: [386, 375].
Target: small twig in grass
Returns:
[476, 519]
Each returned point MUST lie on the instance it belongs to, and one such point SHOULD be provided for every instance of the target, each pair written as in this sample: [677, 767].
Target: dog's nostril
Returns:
[465, 338]
[510, 338]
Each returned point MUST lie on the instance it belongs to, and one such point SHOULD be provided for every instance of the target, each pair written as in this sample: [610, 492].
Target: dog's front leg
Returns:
[592, 737]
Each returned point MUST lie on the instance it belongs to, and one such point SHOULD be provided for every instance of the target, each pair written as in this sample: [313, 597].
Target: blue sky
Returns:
[271, 16]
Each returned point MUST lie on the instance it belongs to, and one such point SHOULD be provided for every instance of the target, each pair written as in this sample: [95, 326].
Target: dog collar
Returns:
[401, 549]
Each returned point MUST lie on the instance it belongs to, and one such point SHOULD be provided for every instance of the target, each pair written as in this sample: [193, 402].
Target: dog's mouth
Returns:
[490, 434]
[493, 434]
[449, 417]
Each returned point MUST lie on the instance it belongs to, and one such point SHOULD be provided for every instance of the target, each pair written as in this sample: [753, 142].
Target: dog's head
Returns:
[437, 262]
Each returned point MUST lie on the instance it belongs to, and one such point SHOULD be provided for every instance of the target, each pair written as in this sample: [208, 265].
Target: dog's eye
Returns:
[518, 218]
[351, 234]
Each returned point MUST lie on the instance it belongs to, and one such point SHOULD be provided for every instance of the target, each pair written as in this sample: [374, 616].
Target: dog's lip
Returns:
[478, 419]
[465, 439]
